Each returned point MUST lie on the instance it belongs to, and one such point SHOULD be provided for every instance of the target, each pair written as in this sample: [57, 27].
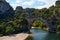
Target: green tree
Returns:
[9, 28]
[2, 24]
[58, 28]
[39, 23]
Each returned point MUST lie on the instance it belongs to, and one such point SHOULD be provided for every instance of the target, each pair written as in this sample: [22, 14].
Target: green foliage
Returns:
[14, 21]
[38, 23]
[10, 30]
[58, 28]
[2, 24]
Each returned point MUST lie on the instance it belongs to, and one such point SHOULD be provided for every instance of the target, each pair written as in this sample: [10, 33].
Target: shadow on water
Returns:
[52, 36]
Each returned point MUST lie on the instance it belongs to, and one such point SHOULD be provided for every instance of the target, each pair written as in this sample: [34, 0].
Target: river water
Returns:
[43, 35]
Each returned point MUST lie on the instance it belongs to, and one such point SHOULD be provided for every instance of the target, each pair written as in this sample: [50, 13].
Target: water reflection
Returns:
[43, 35]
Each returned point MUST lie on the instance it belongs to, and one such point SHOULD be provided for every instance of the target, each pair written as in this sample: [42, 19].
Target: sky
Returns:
[38, 4]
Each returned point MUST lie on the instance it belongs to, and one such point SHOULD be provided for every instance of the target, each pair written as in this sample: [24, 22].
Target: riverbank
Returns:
[46, 29]
[21, 36]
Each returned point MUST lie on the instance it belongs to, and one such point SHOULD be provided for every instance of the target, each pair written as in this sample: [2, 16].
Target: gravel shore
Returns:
[21, 36]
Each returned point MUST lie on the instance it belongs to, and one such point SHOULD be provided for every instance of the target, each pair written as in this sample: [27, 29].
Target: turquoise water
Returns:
[43, 35]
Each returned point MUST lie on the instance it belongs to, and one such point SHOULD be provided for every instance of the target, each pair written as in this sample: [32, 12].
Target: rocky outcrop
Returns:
[57, 2]
[52, 26]
[18, 11]
[2, 0]
[5, 9]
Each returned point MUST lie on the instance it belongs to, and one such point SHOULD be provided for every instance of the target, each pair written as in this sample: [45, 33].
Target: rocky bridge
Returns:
[49, 23]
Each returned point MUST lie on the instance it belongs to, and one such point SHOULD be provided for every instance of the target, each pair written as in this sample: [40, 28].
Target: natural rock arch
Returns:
[45, 26]
[49, 23]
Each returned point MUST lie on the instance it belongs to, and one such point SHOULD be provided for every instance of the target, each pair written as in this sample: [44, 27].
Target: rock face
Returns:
[2, 0]
[18, 11]
[52, 26]
[28, 12]
[57, 2]
[5, 9]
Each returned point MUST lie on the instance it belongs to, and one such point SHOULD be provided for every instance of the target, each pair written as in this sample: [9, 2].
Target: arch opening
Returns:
[38, 23]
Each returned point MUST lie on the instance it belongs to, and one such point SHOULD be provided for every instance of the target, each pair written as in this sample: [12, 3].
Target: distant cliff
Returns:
[6, 10]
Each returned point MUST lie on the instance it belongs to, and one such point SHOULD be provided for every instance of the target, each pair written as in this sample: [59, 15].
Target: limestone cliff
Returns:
[57, 2]
[5, 9]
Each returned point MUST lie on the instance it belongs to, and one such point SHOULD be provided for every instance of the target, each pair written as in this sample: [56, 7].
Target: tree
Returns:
[58, 28]
[9, 28]
[2, 28]
[39, 23]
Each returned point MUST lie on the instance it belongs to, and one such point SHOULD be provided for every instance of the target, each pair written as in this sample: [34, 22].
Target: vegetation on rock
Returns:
[15, 21]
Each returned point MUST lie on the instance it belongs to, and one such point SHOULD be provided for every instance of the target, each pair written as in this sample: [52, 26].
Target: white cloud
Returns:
[48, 3]
[19, 1]
[29, 3]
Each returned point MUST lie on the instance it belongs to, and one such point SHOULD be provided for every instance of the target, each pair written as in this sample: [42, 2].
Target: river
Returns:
[43, 35]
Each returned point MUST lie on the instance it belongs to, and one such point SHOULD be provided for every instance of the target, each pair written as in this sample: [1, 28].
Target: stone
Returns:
[5, 9]
[19, 9]
[2, 0]
[57, 2]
